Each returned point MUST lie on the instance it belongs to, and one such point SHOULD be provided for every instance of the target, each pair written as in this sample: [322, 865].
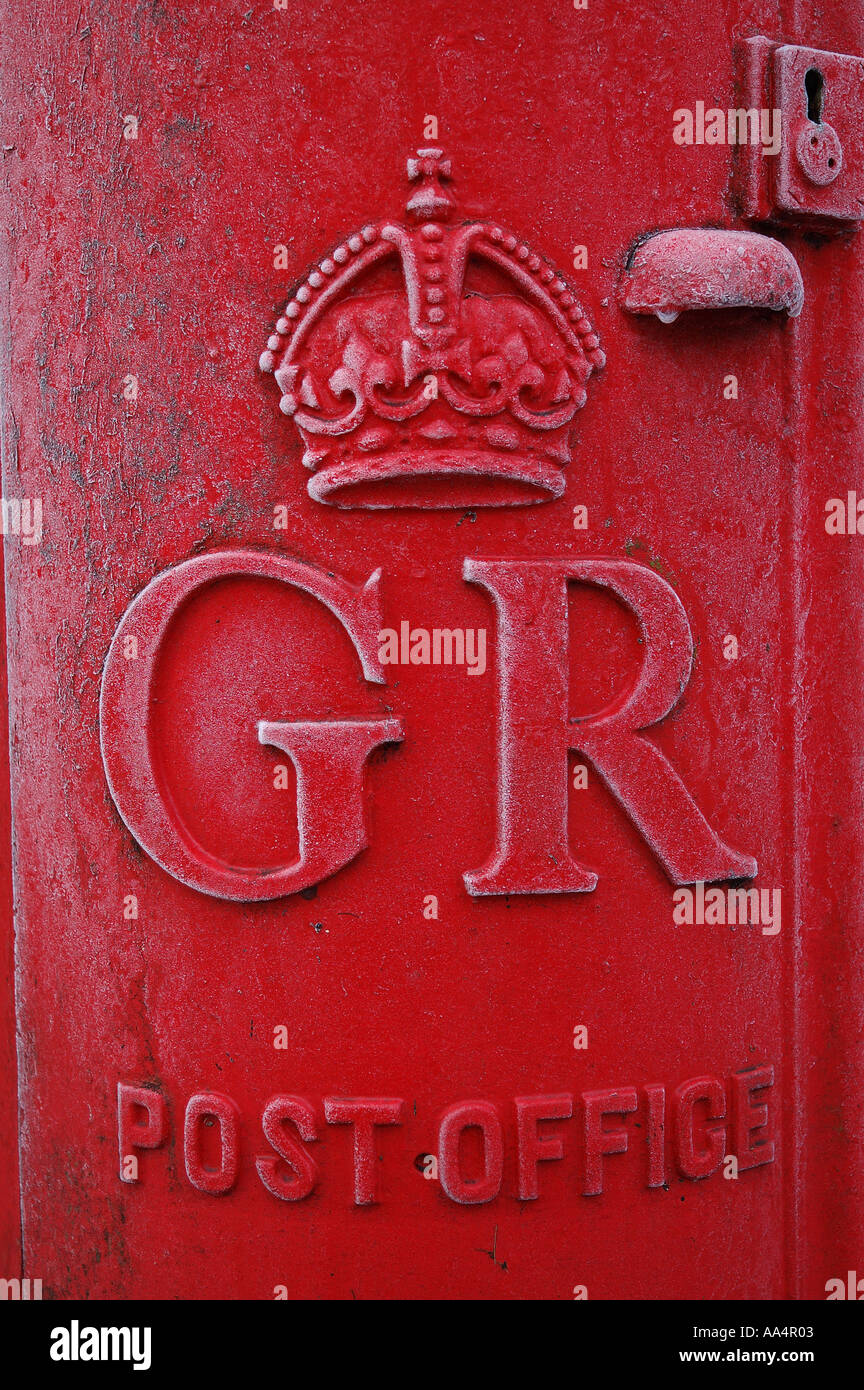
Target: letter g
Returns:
[329, 756]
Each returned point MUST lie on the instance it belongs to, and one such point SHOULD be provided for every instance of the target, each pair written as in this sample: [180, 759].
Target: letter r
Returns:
[536, 731]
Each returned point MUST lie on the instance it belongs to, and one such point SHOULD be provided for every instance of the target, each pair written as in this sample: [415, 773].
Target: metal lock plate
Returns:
[814, 98]
[820, 167]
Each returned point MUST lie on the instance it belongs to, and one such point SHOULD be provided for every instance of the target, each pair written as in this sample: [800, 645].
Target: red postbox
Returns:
[433, 555]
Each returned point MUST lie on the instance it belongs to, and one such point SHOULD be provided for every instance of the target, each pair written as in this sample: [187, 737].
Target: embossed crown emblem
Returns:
[435, 364]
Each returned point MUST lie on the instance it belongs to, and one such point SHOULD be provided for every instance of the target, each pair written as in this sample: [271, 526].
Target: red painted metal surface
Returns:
[438, 802]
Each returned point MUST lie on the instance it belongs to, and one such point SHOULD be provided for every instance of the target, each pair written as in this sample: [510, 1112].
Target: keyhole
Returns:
[814, 86]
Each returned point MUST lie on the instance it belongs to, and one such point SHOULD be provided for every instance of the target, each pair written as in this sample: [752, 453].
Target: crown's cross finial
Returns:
[431, 201]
